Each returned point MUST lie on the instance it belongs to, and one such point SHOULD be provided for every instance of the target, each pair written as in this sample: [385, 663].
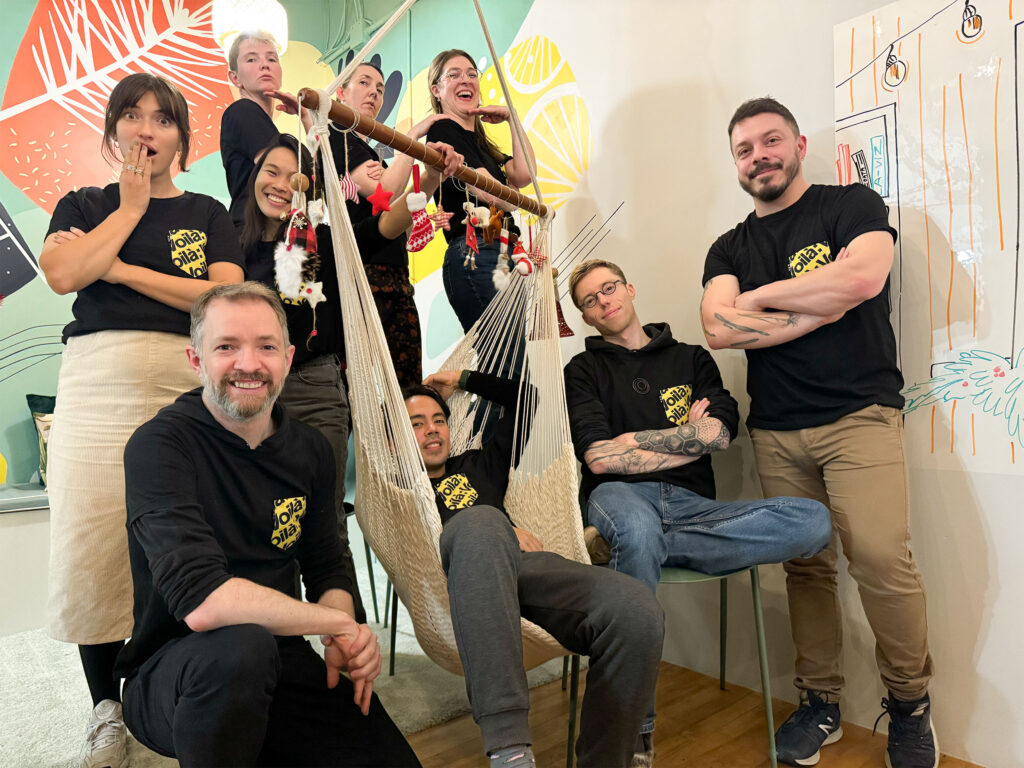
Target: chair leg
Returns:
[394, 631]
[373, 586]
[565, 671]
[762, 653]
[387, 603]
[574, 689]
[723, 619]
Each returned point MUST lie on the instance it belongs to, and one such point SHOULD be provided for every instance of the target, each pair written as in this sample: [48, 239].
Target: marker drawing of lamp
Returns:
[895, 70]
[971, 26]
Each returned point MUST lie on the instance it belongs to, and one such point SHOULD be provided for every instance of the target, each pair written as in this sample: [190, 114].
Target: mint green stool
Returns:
[686, 576]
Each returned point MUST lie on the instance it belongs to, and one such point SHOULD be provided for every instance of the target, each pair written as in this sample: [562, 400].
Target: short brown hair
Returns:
[760, 106]
[250, 290]
[128, 92]
[584, 268]
[259, 35]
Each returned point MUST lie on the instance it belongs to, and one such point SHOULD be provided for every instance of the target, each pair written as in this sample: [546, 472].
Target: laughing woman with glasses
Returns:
[455, 92]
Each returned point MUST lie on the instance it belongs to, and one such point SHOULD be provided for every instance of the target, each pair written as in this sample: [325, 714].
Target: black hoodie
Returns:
[611, 390]
[203, 507]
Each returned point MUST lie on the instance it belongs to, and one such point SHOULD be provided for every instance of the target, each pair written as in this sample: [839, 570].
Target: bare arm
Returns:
[728, 327]
[517, 170]
[394, 222]
[613, 457]
[177, 292]
[858, 273]
[699, 436]
[240, 601]
[487, 198]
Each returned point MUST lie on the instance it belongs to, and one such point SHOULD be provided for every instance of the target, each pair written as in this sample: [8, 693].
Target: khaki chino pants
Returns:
[855, 467]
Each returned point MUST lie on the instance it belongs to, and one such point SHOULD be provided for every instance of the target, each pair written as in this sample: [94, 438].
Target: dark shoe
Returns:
[814, 725]
[912, 742]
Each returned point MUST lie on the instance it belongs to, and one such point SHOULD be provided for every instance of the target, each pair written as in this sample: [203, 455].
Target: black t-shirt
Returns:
[838, 368]
[611, 390]
[179, 236]
[452, 193]
[388, 252]
[480, 476]
[330, 333]
[245, 129]
[203, 507]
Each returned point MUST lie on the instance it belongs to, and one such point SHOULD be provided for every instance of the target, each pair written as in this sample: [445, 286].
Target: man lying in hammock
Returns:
[498, 573]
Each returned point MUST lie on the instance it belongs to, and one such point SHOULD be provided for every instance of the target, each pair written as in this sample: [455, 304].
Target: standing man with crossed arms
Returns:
[802, 284]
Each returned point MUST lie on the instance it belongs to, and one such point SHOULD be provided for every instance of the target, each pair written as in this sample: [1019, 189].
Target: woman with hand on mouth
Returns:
[387, 266]
[455, 93]
[313, 390]
[136, 253]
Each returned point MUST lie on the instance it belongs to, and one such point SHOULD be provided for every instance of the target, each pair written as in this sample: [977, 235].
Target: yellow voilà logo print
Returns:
[809, 258]
[287, 526]
[294, 302]
[456, 492]
[676, 402]
[188, 251]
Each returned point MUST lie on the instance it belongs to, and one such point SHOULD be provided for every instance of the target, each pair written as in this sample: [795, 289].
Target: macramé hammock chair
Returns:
[519, 330]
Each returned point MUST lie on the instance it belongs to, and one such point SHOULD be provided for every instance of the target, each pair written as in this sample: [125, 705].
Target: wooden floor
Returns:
[698, 725]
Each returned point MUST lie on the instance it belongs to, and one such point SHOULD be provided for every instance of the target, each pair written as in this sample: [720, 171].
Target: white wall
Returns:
[660, 81]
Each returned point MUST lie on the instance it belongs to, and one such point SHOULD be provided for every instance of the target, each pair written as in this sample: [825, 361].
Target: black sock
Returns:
[98, 663]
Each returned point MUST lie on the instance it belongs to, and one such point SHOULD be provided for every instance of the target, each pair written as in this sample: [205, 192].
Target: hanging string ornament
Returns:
[380, 200]
[564, 331]
[422, 228]
[440, 217]
[492, 227]
[472, 248]
[349, 189]
[290, 255]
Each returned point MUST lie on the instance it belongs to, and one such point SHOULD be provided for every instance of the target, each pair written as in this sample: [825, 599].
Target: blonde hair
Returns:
[259, 35]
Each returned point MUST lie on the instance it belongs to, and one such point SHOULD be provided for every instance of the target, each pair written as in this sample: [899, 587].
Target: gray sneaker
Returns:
[106, 742]
[644, 756]
[597, 547]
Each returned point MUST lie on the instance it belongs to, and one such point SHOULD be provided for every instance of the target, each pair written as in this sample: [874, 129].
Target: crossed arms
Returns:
[784, 310]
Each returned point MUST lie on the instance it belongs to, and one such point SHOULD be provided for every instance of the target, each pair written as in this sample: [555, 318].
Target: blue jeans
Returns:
[469, 290]
[652, 524]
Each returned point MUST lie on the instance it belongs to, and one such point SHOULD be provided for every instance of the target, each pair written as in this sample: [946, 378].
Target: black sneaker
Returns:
[814, 725]
[912, 742]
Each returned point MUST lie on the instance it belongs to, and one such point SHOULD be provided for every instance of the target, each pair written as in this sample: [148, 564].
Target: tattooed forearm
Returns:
[608, 456]
[696, 439]
[735, 326]
[781, 319]
[744, 342]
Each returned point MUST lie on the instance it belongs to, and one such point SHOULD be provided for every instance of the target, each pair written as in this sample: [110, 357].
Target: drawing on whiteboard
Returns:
[925, 117]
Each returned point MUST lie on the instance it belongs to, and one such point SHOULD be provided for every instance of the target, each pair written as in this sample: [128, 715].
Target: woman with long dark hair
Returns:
[455, 93]
[136, 253]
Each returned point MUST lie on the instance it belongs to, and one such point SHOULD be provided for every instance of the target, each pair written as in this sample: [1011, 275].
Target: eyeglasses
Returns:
[455, 74]
[589, 302]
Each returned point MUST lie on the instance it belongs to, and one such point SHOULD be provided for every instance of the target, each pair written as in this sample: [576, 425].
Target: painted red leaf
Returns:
[72, 55]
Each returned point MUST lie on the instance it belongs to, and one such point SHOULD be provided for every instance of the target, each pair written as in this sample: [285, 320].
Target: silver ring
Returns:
[138, 171]
[129, 167]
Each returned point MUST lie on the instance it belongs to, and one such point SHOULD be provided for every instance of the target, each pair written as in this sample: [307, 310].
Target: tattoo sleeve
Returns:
[696, 439]
[608, 456]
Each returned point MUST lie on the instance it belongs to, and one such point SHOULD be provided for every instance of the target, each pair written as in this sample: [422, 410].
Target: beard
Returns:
[248, 407]
[767, 193]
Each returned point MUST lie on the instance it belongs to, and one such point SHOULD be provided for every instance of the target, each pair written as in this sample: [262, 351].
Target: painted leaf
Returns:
[72, 55]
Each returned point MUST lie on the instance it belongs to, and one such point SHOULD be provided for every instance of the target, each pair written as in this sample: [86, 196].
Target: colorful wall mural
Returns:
[64, 56]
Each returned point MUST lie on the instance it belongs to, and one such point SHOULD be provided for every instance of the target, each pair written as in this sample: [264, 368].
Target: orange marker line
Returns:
[874, 56]
[952, 426]
[972, 435]
[1011, 10]
[924, 193]
[949, 228]
[899, 52]
[1013, 453]
[995, 130]
[852, 30]
[933, 430]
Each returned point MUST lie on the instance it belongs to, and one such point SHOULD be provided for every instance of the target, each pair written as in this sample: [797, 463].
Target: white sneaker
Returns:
[106, 741]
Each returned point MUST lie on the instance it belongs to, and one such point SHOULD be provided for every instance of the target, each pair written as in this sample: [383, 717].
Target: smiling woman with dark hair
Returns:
[137, 253]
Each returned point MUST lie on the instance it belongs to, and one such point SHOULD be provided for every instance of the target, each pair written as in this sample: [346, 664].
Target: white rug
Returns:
[45, 703]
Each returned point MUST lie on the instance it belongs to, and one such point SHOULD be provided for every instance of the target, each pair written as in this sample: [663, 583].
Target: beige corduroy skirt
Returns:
[110, 383]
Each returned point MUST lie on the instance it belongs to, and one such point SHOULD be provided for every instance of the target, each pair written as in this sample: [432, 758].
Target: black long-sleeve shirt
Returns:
[203, 507]
[611, 390]
[480, 476]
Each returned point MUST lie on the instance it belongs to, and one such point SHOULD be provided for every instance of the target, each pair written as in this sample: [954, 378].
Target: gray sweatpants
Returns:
[610, 617]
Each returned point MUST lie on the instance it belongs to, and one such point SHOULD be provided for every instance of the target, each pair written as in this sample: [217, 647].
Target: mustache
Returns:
[231, 378]
[758, 167]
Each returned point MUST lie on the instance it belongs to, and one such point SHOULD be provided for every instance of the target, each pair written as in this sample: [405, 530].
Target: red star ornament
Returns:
[380, 199]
